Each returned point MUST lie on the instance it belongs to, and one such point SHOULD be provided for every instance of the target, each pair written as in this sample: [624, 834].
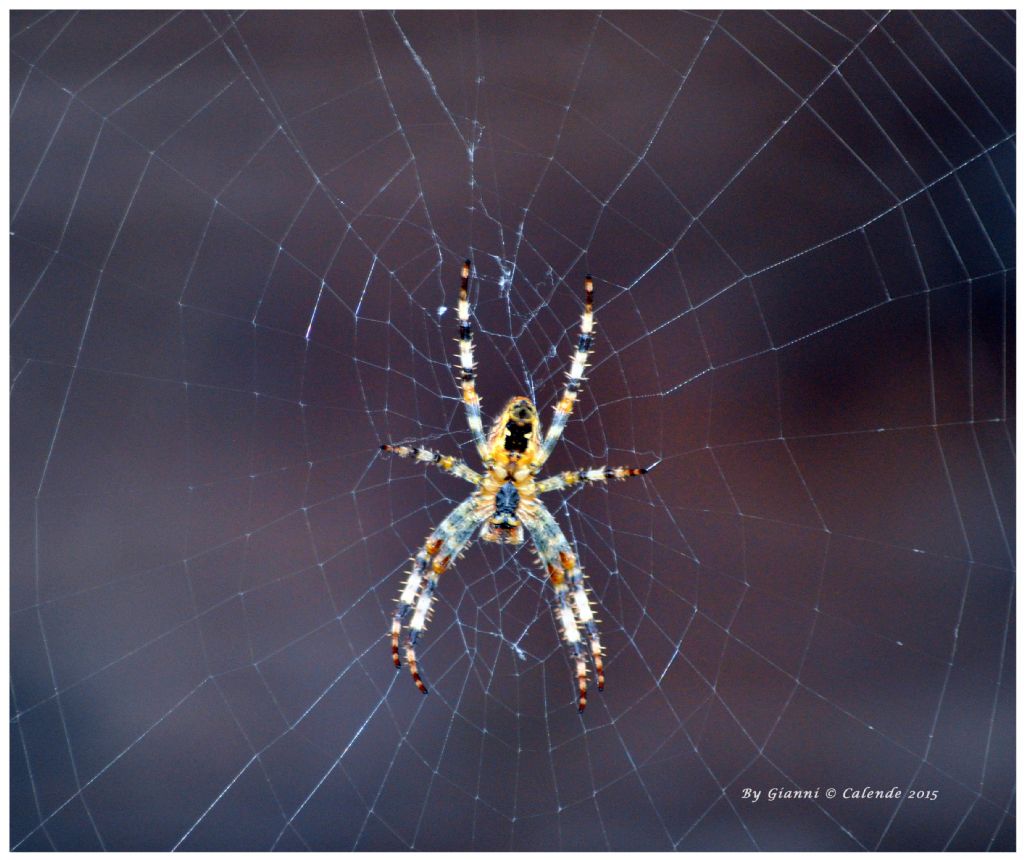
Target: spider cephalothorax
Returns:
[505, 503]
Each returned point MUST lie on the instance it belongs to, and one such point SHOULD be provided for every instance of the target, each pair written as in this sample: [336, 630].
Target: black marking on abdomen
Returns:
[517, 437]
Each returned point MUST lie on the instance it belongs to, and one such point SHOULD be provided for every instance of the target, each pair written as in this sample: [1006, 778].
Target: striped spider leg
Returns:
[468, 368]
[575, 615]
[593, 475]
[564, 572]
[424, 455]
[584, 345]
[443, 545]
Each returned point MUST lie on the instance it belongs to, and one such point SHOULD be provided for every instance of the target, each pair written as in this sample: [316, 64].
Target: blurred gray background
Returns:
[234, 253]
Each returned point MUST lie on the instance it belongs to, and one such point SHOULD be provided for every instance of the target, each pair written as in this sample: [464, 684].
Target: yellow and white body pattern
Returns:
[505, 503]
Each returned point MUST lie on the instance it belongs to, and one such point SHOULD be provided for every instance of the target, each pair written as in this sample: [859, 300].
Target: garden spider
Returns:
[506, 501]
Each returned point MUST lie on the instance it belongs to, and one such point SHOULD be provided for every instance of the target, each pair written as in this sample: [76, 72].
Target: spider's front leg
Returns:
[574, 610]
[442, 546]
[579, 363]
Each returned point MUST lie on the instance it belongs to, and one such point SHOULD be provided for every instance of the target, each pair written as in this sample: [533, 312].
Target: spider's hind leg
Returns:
[584, 345]
[467, 370]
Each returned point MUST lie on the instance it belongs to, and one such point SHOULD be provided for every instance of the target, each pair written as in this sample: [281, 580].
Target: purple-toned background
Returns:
[234, 251]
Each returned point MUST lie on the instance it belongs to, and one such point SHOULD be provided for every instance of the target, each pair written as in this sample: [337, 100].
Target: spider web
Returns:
[234, 249]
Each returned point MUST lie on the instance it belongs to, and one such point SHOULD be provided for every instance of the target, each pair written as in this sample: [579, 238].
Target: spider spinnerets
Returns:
[505, 503]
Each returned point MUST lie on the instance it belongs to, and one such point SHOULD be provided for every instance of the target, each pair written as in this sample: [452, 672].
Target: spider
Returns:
[505, 502]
